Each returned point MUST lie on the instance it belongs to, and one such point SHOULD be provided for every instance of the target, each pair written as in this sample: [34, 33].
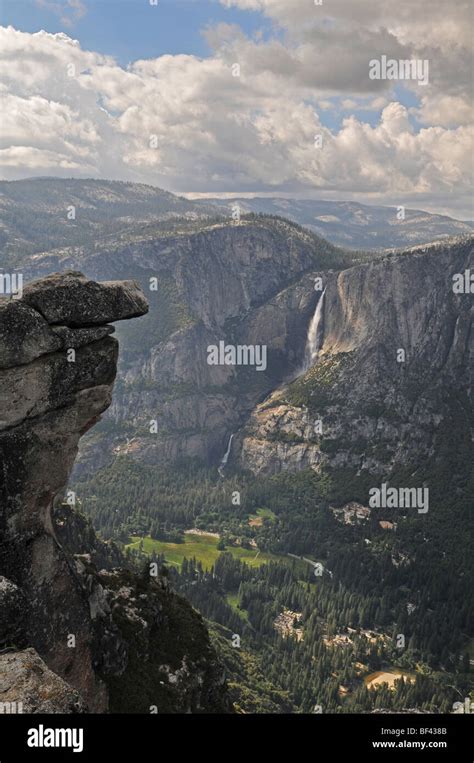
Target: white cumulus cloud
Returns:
[187, 124]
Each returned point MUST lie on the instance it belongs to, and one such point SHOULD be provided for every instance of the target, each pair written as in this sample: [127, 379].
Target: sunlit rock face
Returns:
[393, 372]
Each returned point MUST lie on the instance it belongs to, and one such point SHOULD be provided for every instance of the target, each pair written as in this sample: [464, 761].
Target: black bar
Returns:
[158, 737]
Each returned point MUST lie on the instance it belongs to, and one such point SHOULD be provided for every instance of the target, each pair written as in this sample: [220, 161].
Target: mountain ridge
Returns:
[354, 225]
[34, 216]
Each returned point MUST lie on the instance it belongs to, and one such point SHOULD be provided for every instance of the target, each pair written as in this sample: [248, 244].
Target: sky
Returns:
[266, 97]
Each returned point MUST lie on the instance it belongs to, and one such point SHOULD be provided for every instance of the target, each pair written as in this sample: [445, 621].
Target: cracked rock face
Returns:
[47, 403]
[71, 299]
[24, 675]
[24, 334]
[68, 642]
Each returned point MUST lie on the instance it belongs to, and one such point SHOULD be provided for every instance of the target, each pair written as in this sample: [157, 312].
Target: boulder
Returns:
[73, 300]
[24, 334]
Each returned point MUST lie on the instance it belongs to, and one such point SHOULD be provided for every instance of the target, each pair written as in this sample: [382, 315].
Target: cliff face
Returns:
[71, 637]
[249, 283]
[393, 376]
[253, 284]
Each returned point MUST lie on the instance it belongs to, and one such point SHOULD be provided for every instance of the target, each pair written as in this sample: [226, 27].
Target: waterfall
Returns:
[314, 333]
[225, 457]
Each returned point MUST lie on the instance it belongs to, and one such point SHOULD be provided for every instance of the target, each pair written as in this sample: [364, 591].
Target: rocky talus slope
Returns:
[78, 631]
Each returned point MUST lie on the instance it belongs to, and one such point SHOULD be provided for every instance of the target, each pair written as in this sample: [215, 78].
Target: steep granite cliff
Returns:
[393, 375]
[244, 283]
[77, 631]
[253, 284]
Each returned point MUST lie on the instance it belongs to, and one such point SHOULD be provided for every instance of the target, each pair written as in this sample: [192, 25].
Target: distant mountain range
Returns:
[44, 214]
[352, 225]
[41, 214]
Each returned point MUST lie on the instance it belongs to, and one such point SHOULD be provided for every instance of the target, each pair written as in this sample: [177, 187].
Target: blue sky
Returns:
[131, 29]
[185, 122]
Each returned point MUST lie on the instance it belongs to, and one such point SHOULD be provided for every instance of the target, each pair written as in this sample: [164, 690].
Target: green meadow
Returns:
[204, 549]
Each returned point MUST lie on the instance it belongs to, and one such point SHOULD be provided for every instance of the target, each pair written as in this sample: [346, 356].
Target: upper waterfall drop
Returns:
[313, 337]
